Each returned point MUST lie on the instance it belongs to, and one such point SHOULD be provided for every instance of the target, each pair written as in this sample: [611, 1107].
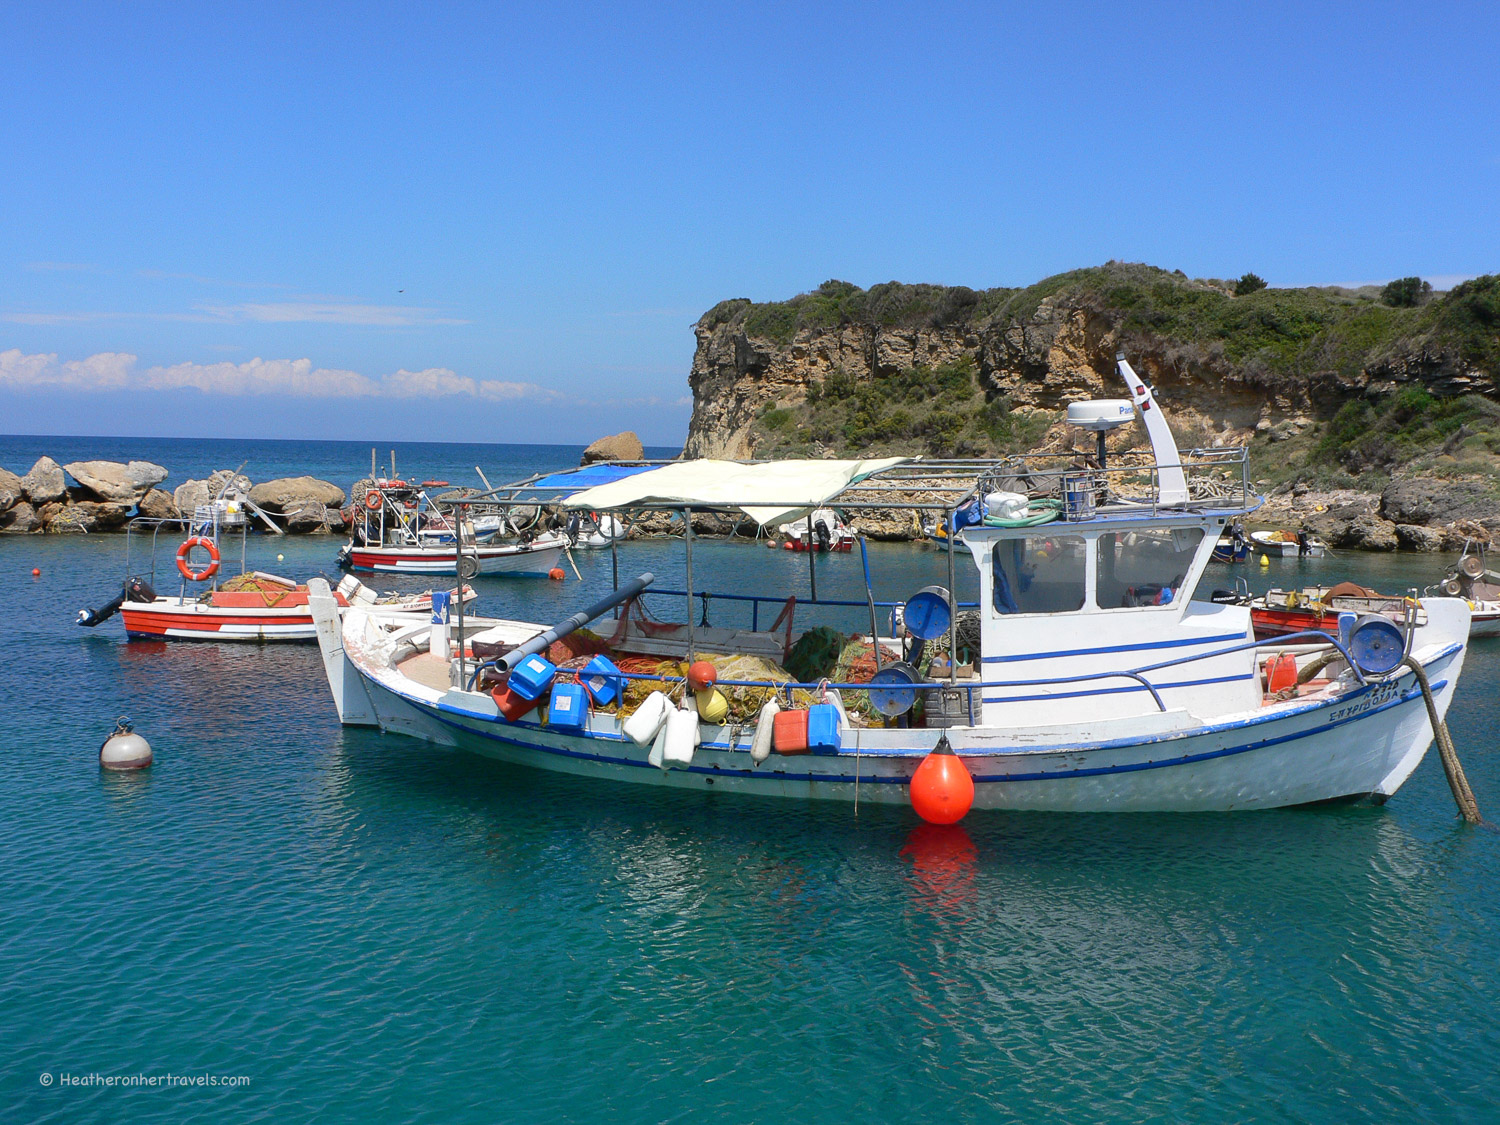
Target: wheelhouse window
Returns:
[1040, 574]
[1144, 568]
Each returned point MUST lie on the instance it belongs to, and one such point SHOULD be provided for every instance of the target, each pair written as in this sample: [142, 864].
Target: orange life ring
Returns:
[186, 549]
[373, 500]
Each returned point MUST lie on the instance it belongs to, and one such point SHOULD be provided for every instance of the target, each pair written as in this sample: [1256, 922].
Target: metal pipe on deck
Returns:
[540, 642]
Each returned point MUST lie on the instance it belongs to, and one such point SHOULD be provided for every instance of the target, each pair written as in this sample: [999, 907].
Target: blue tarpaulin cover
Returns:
[590, 476]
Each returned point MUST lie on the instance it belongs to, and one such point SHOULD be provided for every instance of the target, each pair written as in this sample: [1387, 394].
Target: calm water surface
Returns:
[373, 928]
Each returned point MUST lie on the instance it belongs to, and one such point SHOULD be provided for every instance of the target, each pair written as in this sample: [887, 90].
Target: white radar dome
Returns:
[1101, 414]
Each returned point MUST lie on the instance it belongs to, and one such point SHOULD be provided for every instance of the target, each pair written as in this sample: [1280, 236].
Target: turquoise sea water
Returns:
[374, 929]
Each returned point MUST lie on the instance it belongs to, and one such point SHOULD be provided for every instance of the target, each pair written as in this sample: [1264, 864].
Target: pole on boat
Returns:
[812, 573]
[577, 621]
[614, 564]
[458, 570]
[864, 557]
[687, 523]
[952, 602]
[1463, 796]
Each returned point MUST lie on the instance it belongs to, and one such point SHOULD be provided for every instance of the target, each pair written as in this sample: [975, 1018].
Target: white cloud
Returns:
[294, 378]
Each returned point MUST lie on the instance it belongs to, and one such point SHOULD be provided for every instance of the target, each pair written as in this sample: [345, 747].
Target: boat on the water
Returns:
[252, 606]
[823, 530]
[1089, 678]
[593, 531]
[1279, 613]
[1288, 544]
[1472, 579]
[397, 528]
[1233, 546]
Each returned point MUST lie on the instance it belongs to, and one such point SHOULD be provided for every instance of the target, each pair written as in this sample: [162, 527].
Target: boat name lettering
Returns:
[1379, 696]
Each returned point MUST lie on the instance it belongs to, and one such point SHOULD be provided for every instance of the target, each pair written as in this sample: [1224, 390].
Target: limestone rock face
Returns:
[110, 480]
[44, 483]
[1422, 501]
[617, 447]
[11, 489]
[158, 505]
[1370, 533]
[1414, 537]
[287, 494]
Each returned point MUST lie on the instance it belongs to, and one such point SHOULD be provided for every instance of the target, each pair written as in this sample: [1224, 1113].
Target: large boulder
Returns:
[290, 494]
[1437, 502]
[19, 520]
[11, 490]
[617, 447]
[158, 504]
[191, 493]
[1369, 533]
[1417, 537]
[45, 482]
[110, 480]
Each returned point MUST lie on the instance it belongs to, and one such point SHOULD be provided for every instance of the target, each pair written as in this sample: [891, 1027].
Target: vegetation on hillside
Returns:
[1260, 335]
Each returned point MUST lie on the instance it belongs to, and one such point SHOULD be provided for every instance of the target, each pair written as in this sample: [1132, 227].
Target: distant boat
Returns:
[1472, 580]
[829, 533]
[1232, 546]
[1288, 544]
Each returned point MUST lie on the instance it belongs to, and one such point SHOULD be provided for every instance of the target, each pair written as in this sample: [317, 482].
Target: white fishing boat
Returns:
[822, 530]
[398, 529]
[1288, 544]
[1092, 681]
[594, 531]
[1471, 579]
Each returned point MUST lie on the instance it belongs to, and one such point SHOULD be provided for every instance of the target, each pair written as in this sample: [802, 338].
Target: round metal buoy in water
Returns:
[1377, 645]
[124, 749]
[942, 790]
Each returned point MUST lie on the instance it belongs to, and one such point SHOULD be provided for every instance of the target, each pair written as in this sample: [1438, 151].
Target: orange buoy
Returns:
[557, 574]
[36, 572]
[771, 543]
[942, 791]
[702, 675]
[788, 545]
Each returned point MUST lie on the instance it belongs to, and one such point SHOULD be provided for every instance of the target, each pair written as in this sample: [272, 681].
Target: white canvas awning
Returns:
[772, 492]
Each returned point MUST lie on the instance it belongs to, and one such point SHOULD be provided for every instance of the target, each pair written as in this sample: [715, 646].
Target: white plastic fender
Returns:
[760, 747]
[643, 726]
[691, 704]
[682, 737]
[659, 746]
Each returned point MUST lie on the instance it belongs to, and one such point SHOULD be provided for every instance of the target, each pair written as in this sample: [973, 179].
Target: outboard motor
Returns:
[136, 589]
[825, 537]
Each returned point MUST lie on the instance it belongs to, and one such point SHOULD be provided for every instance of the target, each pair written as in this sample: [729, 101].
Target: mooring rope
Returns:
[1463, 796]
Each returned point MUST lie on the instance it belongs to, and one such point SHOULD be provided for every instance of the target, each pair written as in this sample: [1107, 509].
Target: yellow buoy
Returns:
[712, 706]
[1265, 560]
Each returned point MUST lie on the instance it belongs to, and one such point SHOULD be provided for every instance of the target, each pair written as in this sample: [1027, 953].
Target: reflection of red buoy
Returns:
[557, 574]
[942, 790]
[942, 861]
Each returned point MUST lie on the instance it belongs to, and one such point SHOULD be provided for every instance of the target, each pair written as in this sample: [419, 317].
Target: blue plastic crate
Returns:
[532, 676]
[822, 727]
[602, 679]
[568, 709]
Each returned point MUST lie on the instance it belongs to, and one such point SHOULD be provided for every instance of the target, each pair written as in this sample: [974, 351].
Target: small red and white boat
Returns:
[829, 533]
[254, 607]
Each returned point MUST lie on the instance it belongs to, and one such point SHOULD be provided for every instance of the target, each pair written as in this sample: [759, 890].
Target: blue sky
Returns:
[484, 222]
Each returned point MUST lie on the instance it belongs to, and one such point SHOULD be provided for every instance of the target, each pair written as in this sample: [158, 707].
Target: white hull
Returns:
[1361, 744]
[509, 560]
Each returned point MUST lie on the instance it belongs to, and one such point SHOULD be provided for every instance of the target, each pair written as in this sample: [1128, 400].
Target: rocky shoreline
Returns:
[84, 497]
[1408, 515]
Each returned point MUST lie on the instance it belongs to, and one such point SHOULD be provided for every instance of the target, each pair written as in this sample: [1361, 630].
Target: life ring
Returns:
[373, 500]
[186, 549]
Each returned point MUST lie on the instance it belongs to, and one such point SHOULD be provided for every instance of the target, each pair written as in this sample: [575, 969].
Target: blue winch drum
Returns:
[1377, 644]
[1078, 496]
[927, 614]
[891, 692]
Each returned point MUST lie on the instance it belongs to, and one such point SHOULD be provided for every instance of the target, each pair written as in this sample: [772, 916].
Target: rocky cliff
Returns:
[1339, 389]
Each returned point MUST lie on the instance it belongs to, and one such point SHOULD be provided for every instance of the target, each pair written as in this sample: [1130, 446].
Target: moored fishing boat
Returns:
[397, 528]
[1233, 546]
[823, 530]
[1093, 680]
[1278, 613]
[1471, 579]
[252, 606]
[1288, 544]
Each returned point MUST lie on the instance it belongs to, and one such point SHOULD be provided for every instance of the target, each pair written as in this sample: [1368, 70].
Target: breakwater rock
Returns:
[99, 496]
